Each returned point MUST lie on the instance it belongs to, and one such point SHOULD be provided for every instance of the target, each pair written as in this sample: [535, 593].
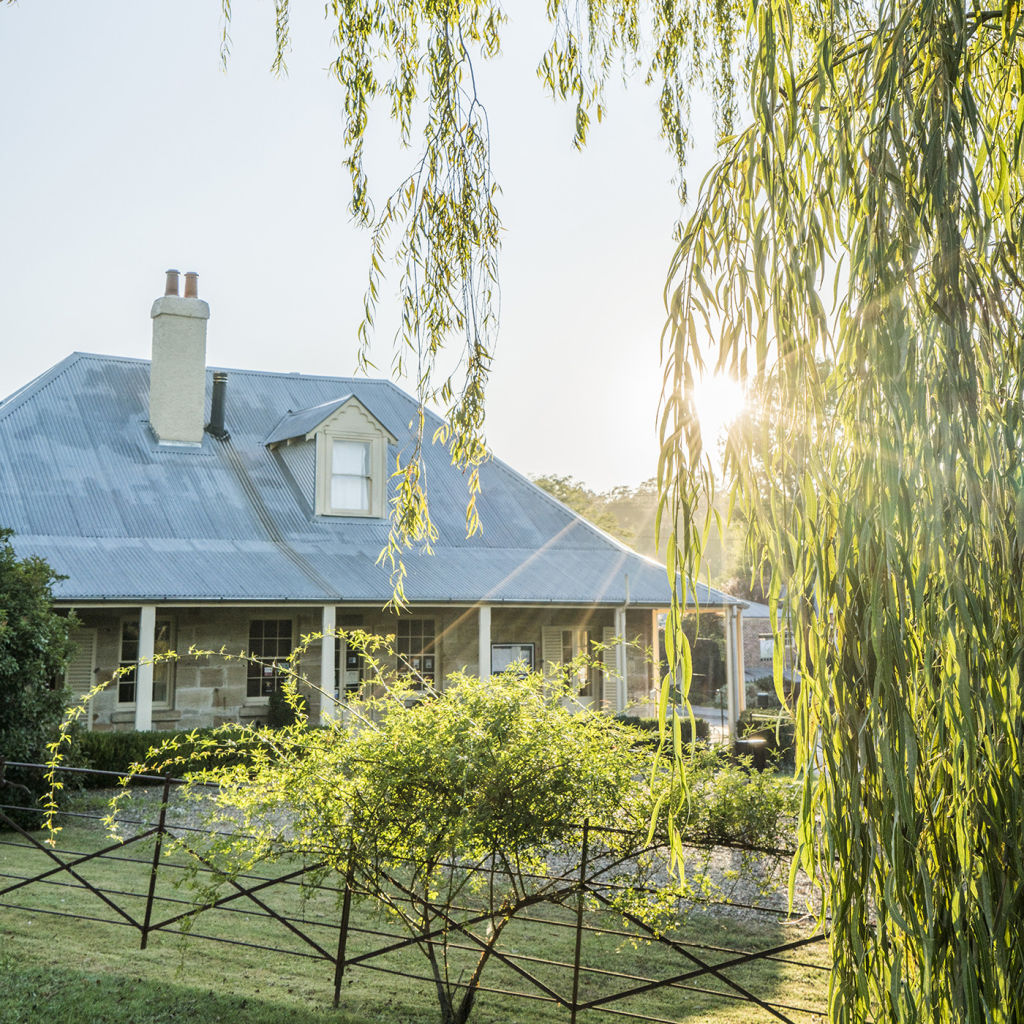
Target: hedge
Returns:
[118, 751]
[777, 730]
[650, 727]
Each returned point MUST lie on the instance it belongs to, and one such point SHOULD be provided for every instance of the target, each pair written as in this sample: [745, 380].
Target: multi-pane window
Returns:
[348, 659]
[270, 643]
[163, 672]
[129, 664]
[767, 644]
[414, 645]
[350, 476]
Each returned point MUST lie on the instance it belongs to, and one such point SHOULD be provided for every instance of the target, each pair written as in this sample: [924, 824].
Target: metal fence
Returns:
[142, 895]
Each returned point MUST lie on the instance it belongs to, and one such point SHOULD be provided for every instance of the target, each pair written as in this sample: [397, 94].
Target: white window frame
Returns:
[264, 667]
[158, 667]
[325, 471]
[420, 660]
[572, 641]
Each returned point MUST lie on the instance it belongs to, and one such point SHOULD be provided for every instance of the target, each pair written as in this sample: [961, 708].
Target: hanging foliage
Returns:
[438, 223]
[884, 161]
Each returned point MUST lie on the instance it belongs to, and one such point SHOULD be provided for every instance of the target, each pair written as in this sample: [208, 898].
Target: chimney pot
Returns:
[171, 288]
[191, 285]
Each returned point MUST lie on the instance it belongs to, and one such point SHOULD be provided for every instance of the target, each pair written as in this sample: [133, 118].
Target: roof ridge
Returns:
[19, 396]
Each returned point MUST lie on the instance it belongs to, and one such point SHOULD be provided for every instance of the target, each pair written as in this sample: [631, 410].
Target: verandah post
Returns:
[160, 828]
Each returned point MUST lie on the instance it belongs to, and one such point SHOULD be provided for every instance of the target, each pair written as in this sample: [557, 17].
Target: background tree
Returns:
[34, 649]
[630, 514]
[589, 504]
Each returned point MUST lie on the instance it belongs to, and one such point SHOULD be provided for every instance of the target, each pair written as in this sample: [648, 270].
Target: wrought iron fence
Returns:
[325, 929]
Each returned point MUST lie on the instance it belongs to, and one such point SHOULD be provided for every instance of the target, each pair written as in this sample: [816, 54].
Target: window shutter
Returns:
[609, 677]
[551, 648]
[78, 676]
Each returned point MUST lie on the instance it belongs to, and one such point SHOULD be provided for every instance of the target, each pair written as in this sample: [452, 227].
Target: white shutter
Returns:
[551, 648]
[609, 677]
[80, 673]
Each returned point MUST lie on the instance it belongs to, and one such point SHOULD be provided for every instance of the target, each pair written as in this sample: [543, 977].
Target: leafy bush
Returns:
[34, 648]
[649, 727]
[776, 728]
[496, 774]
[281, 711]
[730, 805]
[471, 797]
[118, 751]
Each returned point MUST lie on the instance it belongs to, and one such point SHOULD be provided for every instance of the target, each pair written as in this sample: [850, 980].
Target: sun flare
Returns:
[719, 400]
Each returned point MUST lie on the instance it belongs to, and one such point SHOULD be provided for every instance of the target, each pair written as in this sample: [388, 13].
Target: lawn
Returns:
[78, 970]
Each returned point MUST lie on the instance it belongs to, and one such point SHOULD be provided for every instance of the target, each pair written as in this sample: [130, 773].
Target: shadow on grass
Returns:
[61, 995]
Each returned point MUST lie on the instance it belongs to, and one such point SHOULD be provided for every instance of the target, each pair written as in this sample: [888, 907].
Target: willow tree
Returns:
[884, 156]
[881, 165]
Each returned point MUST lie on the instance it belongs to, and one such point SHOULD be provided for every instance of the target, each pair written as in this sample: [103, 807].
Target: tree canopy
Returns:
[630, 514]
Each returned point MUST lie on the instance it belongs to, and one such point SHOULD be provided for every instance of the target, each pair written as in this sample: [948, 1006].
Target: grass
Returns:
[93, 971]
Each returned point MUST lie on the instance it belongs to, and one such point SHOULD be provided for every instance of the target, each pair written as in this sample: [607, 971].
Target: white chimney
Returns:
[177, 376]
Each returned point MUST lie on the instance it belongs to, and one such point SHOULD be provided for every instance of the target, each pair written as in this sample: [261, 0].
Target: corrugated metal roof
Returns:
[299, 424]
[85, 485]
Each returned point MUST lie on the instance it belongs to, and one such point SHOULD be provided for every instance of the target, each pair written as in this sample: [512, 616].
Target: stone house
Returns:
[187, 506]
[759, 653]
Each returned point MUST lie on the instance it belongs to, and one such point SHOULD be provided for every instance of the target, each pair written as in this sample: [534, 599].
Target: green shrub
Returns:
[118, 751]
[776, 728]
[649, 726]
[736, 806]
[280, 711]
[729, 805]
[35, 646]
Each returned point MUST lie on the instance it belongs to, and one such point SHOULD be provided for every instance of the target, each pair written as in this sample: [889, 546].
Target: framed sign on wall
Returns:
[504, 655]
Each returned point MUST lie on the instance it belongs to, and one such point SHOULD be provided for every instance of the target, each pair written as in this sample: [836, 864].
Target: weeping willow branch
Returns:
[882, 474]
[881, 477]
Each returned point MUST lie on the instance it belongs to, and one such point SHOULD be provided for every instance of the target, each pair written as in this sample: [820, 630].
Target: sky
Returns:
[127, 149]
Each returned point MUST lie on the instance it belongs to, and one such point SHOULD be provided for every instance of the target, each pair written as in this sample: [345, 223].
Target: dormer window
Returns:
[351, 477]
[351, 463]
[337, 454]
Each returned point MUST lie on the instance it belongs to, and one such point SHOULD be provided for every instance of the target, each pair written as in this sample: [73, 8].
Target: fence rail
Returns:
[329, 932]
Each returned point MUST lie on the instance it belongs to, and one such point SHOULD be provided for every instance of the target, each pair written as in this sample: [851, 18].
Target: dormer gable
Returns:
[348, 447]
